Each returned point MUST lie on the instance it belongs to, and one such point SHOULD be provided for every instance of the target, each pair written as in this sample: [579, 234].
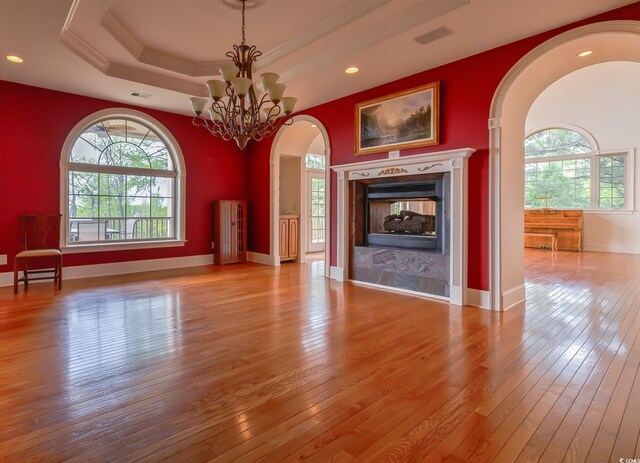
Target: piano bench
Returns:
[542, 239]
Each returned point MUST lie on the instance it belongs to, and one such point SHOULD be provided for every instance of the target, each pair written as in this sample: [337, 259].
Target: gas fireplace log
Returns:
[409, 222]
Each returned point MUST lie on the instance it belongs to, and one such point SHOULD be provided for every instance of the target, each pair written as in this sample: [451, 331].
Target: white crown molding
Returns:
[144, 55]
[85, 51]
[320, 29]
[112, 24]
[155, 79]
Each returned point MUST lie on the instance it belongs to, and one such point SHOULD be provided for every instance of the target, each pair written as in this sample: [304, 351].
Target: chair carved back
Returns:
[40, 231]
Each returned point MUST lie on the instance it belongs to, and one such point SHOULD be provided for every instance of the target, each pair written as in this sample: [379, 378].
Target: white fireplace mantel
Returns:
[454, 161]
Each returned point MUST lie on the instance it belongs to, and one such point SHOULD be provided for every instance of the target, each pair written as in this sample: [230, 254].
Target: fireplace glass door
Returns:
[406, 215]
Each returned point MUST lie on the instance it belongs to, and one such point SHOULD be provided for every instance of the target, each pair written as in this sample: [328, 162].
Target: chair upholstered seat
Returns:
[40, 253]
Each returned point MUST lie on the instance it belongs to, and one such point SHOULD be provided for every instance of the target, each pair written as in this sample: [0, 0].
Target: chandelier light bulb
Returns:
[269, 79]
[198, 104]
[288, 104]
[275, 92]
[241, 86]
[229, 71]
[217, 88]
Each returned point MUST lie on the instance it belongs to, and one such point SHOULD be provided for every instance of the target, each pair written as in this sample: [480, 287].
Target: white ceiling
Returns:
[169, 48]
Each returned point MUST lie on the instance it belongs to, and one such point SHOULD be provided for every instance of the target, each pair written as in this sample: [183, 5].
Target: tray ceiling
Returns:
[169, 48]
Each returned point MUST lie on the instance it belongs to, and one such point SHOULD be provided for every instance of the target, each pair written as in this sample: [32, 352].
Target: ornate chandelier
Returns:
[239, 109]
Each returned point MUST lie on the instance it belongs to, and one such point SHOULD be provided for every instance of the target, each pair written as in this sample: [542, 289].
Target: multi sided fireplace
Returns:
[407, 215]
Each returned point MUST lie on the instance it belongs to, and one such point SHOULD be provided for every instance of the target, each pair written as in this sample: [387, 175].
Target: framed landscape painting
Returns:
[407, 119]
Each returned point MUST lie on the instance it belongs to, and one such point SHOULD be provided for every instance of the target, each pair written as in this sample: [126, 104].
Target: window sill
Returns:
[101, 247]
[609, 211]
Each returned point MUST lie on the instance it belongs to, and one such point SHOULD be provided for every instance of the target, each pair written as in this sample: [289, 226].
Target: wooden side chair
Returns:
[40, 237]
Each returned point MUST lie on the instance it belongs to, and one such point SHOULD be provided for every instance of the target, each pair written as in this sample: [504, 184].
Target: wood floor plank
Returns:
[255, 363]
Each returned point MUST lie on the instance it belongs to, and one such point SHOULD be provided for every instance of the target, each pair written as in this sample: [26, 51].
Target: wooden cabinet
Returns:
[289, 239]
[229, 231]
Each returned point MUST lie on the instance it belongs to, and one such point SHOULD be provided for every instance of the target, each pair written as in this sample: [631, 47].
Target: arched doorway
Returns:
[294, 141]
[611, 41]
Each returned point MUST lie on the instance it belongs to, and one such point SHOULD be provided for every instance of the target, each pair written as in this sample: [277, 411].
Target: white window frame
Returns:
[178, 174]
[595, 155]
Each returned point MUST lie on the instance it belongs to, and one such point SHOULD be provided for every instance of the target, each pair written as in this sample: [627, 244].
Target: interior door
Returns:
[316, 197]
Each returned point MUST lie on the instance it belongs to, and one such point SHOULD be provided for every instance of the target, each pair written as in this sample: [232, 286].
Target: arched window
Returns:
[123, 177]
[564, 170]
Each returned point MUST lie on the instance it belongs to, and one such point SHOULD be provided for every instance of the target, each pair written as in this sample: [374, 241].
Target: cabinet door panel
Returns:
[230, 231]
[293, 237]
[284, 238]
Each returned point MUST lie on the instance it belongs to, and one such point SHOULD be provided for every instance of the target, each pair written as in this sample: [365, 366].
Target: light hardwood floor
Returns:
[249, 363]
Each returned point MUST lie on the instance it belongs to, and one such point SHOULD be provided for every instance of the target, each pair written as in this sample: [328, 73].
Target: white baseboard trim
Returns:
[512, 297]
[120, 268]
[611, 248]
[259, 258]
[336, 273]
[478, 298]
[456, 295]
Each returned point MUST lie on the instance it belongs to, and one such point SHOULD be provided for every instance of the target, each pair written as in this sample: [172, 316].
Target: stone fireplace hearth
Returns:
[402, 224]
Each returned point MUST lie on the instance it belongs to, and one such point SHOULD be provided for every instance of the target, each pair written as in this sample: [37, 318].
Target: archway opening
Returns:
[610, 41]
[300, 160]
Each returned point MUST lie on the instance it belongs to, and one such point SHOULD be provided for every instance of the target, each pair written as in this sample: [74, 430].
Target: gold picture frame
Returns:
[402, 120]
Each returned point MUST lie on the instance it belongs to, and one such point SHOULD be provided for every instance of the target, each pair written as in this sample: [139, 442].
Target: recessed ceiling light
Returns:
[582, 54]
[14, 59]
[352, 70]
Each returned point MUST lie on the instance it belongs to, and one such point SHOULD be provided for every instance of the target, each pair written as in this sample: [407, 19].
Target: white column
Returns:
[458, 220]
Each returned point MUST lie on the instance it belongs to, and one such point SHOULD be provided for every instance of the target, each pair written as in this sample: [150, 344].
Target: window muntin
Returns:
[555, 142]
[318, 213]
[612, 181]
[564, 171]
[121, 185]
[315, 161]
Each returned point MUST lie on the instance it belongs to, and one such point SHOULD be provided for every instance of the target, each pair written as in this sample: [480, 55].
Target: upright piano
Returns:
[563, 227]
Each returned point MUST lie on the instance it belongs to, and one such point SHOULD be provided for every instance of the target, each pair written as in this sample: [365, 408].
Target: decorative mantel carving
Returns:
[392, 171]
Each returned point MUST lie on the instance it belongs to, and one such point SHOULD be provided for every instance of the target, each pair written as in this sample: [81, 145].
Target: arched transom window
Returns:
[123, 184]
[564, 170]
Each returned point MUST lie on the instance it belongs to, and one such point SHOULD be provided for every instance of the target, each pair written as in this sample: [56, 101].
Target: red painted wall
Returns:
[467, 89]
[34, 123]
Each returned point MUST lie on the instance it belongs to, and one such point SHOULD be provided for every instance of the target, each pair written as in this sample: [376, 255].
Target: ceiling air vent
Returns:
[433, 35]
[140, 95]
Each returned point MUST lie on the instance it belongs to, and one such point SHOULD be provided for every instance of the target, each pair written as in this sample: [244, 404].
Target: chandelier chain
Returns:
[244, 3]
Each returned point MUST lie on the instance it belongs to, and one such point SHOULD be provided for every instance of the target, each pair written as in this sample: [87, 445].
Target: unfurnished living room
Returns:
[347, 231]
